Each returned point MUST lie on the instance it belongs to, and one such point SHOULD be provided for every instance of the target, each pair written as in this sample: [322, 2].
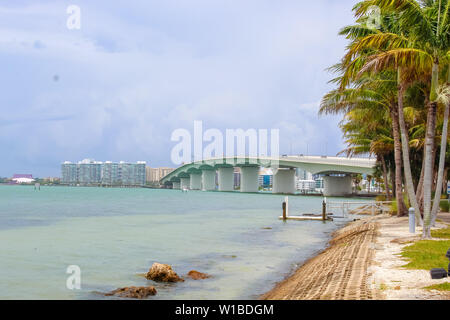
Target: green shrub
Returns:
[380, 198]
[394, 204]
[444, 205]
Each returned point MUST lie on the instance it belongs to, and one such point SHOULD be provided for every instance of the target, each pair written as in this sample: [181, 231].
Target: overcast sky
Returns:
[137, 70]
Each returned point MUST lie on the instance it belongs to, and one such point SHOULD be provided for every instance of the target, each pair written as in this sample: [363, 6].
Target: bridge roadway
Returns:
[201, 175]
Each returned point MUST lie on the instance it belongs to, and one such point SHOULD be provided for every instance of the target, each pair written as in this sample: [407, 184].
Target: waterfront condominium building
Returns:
[90, 172]
[69, 173]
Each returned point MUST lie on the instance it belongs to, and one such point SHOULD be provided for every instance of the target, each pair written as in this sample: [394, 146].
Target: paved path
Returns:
[444, 216]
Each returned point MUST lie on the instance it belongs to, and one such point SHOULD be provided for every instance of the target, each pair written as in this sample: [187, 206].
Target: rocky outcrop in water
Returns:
[193, 274]
[133, 292]
[162, 273]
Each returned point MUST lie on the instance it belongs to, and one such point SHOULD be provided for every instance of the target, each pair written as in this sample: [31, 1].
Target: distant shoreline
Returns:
[360, 196]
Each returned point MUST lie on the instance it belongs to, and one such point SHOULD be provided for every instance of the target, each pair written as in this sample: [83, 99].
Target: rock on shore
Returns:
[193, 274]
[162, 273]
[133, 292]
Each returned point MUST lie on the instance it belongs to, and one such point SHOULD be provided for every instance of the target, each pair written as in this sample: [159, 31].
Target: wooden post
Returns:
[286, 199]
[324, 210]
[284, 211]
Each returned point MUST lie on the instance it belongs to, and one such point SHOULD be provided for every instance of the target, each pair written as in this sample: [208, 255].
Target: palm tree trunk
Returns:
[401, 207]
[444, 181]
[429, 145]
[385, 178]
[405, 153]
[428, 173]
[392, 177]
[433, 160]
[439, 183]
[419, 191]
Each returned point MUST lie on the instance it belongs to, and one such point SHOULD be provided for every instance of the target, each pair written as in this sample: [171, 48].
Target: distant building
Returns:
[306, 185]
[265, 178]
[69, 173]
[22, 178]
[153, 175]
[319, 183]
[303, 174]
[305, 181]
[90, 172]
[237, 177]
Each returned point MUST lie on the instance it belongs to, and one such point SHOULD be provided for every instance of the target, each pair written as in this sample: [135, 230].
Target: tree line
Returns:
[392, 87]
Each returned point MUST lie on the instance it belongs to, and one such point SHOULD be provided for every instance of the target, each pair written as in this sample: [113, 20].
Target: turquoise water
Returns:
[113, 235]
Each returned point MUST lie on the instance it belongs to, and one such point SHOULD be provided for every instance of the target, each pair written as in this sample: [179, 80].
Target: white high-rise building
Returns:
[305, 181]
[91, 172]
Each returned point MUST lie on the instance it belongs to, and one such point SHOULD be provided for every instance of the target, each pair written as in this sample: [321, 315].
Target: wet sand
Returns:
[339, 272]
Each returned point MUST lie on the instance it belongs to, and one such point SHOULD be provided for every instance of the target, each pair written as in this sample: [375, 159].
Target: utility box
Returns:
[438, 273]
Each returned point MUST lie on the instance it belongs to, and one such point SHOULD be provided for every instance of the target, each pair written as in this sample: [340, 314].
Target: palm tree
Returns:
[351, 69]
[378, 94]
[419, 49]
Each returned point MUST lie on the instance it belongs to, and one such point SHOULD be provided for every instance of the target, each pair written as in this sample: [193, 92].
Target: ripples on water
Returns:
[115, 234]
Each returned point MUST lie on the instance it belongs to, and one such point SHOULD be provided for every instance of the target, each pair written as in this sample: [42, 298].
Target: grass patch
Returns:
[441, 287]
[441, 233]
[426, 254]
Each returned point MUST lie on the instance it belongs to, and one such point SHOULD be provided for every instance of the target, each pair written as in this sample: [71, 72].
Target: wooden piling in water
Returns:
[284, 211]
[324, 210]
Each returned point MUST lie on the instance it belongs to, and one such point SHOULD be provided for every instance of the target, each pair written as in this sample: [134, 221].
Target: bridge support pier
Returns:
[336, 186]
[176, 185]
[284, 181]
[185, 183]
[196, 181]
[208, 180]
[226, 179]
[249, 179]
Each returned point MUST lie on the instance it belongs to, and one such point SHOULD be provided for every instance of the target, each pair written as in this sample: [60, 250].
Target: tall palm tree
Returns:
[421, 47]
[375, 95]
[350, 69]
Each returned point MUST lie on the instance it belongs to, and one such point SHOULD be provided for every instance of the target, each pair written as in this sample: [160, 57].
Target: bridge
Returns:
[201, 175]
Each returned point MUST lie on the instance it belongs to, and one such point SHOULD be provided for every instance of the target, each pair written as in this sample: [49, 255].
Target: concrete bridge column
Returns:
[284, 181]
[196, 181]
[185, 183]
[337, 186]
[208, 180]
[176, 185]
[249, 179]
[226, 179]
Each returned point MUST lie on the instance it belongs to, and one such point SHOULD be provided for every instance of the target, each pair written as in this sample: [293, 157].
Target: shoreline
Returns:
[361, 262]
[299, 194]
[336, 273]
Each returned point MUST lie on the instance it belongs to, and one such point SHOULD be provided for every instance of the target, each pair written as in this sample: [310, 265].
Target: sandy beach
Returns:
[362, 262]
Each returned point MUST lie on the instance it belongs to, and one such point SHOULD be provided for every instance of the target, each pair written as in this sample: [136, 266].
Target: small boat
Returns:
[184, 189]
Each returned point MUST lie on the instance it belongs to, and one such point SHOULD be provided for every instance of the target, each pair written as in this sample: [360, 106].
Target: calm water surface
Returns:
[113, 235]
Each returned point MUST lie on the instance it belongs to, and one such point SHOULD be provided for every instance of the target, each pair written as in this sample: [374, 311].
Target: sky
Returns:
[135, 71]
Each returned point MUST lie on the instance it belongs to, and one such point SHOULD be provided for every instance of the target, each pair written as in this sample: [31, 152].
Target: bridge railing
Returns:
[359, 207]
